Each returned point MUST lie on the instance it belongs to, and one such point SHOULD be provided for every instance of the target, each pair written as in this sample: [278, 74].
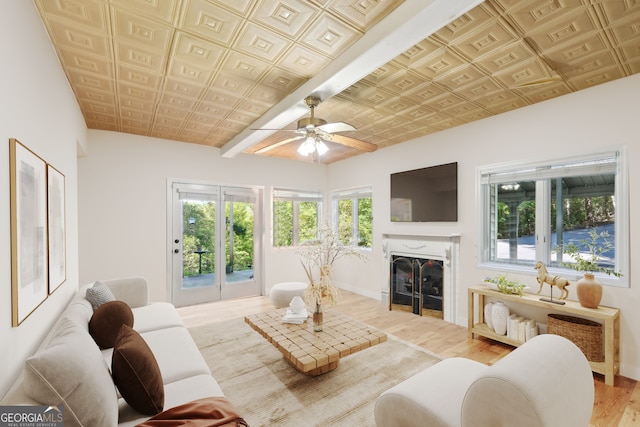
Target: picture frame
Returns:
[29, 259]
[56, 228]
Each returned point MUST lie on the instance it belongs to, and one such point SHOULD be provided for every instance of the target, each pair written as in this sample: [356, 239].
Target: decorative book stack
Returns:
[296, 313]
[521, 329]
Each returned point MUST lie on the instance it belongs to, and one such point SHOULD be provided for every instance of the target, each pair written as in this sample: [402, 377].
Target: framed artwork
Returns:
[56, 227]
[28, 175]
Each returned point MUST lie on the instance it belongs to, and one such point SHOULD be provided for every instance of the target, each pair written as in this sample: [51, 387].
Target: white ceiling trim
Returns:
[408, 24]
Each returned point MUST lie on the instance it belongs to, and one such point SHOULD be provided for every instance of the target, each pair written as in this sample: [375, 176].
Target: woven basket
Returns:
[586, 334]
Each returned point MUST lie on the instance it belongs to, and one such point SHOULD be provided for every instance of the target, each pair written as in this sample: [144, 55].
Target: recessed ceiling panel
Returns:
[287, 17]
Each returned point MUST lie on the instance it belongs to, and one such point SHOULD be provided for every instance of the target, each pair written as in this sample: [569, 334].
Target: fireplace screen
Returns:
[416, 285]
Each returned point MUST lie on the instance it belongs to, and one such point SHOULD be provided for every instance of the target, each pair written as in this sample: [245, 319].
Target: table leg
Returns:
[470, 314]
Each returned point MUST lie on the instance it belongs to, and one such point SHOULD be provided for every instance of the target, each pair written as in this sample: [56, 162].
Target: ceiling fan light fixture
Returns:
[321, 147]
[307, 147]
[313, 132]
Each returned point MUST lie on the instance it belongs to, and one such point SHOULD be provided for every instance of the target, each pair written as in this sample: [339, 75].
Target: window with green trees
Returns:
[534, 211]
[353, 216]
[295, 216]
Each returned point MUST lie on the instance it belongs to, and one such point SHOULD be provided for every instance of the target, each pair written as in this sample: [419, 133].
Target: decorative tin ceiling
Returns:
[202, 71]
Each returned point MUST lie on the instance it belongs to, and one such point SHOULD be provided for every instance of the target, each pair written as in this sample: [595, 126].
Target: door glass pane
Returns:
[198, 261]
[514, 212]
[239, 244]
[586, 215]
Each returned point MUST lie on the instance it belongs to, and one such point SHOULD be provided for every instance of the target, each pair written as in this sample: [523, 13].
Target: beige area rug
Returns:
[269, 392]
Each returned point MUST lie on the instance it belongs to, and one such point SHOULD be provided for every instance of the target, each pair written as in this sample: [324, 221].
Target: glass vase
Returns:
[317, 318]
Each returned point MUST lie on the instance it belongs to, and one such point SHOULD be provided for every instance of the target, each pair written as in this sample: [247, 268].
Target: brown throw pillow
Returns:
[136, 373]
[107, 320]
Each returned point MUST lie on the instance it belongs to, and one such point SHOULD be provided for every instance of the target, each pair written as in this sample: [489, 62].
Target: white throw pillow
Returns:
[71, 371]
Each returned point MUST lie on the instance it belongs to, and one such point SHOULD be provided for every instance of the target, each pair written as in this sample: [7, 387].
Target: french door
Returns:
[215, 243]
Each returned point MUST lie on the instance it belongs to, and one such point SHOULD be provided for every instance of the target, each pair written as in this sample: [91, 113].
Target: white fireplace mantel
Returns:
[438, 247]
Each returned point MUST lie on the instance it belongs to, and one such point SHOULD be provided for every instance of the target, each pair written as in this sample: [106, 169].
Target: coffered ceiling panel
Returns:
[204, 71]
[287, 18]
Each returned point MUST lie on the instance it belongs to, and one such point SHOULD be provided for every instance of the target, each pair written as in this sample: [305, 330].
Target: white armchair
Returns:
[545, 382]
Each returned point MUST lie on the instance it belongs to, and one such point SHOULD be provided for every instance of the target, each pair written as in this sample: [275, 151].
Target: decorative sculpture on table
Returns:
[557, 281]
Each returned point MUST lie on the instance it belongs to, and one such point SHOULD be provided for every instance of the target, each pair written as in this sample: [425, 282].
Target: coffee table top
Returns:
[312, 352]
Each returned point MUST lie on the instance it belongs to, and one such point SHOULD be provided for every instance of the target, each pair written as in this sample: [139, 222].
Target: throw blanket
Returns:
[207, 412]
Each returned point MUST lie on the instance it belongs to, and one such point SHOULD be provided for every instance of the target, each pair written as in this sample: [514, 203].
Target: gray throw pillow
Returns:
[99, 294]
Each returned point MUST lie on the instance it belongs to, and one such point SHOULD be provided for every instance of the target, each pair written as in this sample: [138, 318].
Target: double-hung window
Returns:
[353, 218]
[295, 216]
[532, 211]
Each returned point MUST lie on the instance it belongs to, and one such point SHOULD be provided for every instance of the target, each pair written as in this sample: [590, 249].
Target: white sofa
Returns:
[93, 399]
[545, 382]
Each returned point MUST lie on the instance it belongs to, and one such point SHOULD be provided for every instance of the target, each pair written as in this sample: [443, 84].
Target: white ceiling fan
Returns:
[316, 131]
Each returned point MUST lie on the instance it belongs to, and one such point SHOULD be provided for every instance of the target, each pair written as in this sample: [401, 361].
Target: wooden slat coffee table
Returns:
[315, 353]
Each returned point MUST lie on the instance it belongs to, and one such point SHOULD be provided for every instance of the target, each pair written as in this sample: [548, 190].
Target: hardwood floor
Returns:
[617, 405]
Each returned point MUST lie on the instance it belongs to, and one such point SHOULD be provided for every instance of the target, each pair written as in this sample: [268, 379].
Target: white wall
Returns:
[122, 193]
[600, 117]
[39, 109]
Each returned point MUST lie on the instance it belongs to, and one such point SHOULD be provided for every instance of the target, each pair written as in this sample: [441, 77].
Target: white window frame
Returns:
[541, 172]
[295, 196]
[352, 194]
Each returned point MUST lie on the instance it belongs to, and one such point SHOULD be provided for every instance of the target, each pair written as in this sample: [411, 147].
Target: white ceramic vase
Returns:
[487, 314]
[499, 317]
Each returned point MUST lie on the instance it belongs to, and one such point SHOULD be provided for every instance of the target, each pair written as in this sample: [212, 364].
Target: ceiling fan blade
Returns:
[354, 143]
[278, 144]
[336, 127]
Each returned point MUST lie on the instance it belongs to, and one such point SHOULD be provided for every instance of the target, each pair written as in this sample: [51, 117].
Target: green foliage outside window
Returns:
[198, 235]
[307, 221]
[288, 232]
[282, 223]
[365, 221]
[584, 212]
[360, 232]
[199, 227]
[240, 257]
[345, 221]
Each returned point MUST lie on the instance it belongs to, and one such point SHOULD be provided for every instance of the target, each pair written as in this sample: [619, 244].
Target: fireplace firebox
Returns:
[417, 285]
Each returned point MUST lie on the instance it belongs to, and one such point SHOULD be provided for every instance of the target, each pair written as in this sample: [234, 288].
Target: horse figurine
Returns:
[557, 281]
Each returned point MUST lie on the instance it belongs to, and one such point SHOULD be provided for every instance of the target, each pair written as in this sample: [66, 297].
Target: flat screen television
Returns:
[425, 195]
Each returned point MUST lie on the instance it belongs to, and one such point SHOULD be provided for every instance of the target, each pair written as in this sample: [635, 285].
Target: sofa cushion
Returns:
[176, 393]
[72, 372]
[157, 315]
[176, 365]
[107, 320]
[99, 294]
[136, 373]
